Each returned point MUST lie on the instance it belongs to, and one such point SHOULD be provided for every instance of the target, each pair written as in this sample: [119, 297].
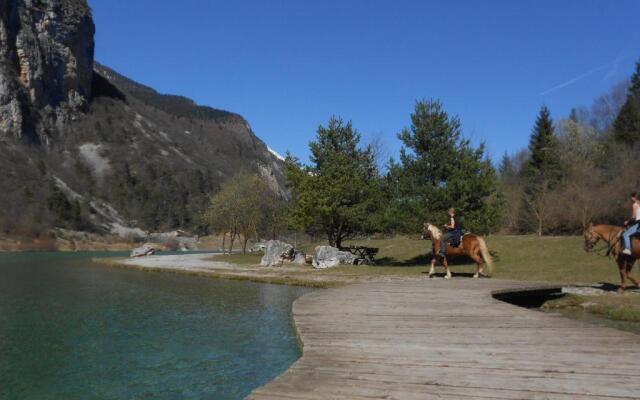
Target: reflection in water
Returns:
[69, 329]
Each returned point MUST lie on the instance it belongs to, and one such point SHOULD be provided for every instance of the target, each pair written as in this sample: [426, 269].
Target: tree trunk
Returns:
[245, 239]
[540, 227]
[233, 238]
[224, 244]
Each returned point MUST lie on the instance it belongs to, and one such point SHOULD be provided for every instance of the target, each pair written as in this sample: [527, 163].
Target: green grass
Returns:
[552, 259]
[560, 259]
[610, 306]
[239, 258]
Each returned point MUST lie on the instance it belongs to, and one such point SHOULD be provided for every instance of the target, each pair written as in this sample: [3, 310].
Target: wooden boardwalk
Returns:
[442, 339]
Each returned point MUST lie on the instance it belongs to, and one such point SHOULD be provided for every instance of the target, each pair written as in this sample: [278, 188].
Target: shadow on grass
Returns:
[423, 260]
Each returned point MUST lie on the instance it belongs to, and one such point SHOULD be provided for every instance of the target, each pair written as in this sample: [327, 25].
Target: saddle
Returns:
[456, 241]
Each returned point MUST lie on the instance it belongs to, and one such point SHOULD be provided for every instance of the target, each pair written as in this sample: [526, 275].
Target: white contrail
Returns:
[574, 80]
[614, 66]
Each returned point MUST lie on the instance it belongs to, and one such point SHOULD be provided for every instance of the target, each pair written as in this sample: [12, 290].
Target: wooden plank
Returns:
[449, 340]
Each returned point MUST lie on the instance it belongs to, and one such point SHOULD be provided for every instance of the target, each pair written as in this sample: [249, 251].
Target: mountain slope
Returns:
[125, 156]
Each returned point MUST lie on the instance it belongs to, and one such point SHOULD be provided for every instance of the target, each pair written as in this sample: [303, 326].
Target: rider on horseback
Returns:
[453, 231]
[632, 225]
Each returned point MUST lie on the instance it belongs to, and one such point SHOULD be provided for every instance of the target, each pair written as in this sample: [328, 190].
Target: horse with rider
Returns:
[455, 242]
[620, 242]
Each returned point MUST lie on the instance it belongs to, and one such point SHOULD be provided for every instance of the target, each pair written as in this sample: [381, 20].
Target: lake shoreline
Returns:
[205, 265]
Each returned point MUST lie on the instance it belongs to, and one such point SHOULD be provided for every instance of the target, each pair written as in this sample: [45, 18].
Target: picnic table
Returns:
[364, 254]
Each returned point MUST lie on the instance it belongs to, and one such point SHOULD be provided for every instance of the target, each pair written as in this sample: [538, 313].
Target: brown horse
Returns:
[472, 246]
[610, 235]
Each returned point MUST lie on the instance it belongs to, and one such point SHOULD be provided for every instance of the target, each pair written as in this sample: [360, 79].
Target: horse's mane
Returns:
[435, 231]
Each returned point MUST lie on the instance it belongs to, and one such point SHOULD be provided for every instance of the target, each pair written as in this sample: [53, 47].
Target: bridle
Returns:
[592, 238]
[426, 233]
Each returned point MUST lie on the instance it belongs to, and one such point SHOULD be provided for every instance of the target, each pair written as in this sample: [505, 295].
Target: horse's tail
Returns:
[484, 250]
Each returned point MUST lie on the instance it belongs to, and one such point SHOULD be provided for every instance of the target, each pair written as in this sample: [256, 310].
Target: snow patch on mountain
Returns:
[275, 154]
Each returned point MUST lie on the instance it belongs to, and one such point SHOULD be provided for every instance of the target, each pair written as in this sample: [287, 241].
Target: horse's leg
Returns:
[432, 271]
[622, 267]
[631, 278]
[447, 274]
[477, 258]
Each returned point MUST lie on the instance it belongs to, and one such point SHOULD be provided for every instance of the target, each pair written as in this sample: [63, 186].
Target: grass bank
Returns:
[613, 306]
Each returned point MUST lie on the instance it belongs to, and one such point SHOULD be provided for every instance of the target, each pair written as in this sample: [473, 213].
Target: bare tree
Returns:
[539, 206]
[243, 205]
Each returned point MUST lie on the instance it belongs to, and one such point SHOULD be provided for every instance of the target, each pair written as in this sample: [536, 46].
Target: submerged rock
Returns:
[327, 257]
[145, 250]
[275, 253]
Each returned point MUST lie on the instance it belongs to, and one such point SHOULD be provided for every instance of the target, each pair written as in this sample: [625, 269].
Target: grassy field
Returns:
[552, 259]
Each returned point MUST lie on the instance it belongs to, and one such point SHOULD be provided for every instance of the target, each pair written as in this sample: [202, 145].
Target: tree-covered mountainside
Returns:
[105, 154]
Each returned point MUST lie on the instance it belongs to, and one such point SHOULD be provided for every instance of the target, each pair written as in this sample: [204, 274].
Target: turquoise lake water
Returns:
[70, 329]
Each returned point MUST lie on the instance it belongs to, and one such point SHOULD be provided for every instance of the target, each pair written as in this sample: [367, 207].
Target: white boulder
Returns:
[328, 257]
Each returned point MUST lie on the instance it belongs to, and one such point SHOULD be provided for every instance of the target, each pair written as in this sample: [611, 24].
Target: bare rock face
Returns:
[46, 65]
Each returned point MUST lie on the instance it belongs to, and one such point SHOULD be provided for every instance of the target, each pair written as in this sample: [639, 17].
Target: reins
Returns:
[609, 243]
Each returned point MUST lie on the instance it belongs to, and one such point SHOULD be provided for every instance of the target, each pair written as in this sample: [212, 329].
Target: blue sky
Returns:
[287, 66]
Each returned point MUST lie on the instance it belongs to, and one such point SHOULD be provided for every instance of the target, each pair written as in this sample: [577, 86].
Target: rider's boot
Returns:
[626, 252]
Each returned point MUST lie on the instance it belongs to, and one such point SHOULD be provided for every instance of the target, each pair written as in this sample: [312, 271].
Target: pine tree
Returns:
[507, 170]
[338, 194]
[542, 173]
[627, 124]
[439, 169]
[544, 161]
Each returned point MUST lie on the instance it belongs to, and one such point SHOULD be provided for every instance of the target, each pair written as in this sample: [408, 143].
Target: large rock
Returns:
[46, 65]
[327, 257]
[144, 250]
[275, 253]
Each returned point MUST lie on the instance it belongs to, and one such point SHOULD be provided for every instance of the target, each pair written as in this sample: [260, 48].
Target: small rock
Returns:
[145, 250]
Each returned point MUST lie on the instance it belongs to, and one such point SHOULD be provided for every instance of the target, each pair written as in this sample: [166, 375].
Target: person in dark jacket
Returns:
[452, 231]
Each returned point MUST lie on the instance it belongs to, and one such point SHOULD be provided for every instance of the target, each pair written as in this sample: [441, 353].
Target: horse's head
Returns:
[591, 238]
[426, 233]
[430, 231]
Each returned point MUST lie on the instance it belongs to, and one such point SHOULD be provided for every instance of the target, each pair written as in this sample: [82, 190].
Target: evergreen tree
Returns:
[627, 124]
[338, 193]
[439, 169]
[67, 214]
[542, 172]
[544, 161]
[507, 170]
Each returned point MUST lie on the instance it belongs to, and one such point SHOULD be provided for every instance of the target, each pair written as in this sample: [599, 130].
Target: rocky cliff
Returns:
[83, 147]
[46, 65]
